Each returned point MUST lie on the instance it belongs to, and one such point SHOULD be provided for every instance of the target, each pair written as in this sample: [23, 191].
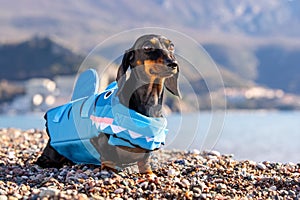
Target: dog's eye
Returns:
[148, 47]
[171, 47]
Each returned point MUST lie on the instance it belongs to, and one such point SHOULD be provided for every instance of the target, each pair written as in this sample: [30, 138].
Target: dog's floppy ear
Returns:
[172, 84]
[121, 75]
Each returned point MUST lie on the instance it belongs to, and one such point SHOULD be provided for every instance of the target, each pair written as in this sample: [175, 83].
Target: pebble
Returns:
[152, 186]
[3, 197]
[49, 192]
[36, 191]
[273, 188]
[195, 151]
[261, 166]
[171, 172]
[82, 197]
[11, 155]
[144, 185]
[214, 153]
[203, 186]
[179, 175]
[197, 190]
[292, 193]
[105, 174]
[119, 190]
[185, 182]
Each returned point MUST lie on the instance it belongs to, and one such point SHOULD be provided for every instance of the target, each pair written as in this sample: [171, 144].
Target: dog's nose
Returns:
[173, 64]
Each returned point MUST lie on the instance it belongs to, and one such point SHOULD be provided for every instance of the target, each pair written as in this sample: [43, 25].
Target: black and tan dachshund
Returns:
[153, 67]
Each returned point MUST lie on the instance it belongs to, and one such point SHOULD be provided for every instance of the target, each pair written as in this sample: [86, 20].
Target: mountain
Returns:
[38, 57]
[272, 65]
[279, 67]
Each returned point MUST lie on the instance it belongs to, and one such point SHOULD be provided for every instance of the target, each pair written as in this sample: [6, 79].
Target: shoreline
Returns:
[180, 174]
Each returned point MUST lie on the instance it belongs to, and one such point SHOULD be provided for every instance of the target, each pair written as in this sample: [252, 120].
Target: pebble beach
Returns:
[179, 175]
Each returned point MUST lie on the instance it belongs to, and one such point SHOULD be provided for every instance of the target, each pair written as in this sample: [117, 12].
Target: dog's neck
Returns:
[144, 97]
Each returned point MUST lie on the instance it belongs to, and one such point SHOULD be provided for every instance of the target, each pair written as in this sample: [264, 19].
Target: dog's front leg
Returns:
[144, 165]
[108, 154]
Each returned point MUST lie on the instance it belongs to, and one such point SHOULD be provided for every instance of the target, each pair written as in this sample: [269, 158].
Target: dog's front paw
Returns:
[151, 176]
[145, 168]
[109, 166]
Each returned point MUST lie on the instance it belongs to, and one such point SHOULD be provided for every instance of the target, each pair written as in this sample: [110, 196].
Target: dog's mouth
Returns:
[162, 70]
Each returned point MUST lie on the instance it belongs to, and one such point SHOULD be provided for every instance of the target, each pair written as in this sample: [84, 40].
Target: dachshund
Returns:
[153, 67]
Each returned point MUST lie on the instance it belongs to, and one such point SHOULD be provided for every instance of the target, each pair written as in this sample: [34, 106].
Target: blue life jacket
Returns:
[71, 126]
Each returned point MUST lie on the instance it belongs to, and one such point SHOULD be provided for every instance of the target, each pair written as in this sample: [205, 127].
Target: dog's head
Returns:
[152, 58]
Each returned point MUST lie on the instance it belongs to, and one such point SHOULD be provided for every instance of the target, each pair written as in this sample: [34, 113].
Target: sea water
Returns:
[253, 135]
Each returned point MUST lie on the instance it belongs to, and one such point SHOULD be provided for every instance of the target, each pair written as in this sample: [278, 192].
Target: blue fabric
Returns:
[86, 84]
[71, 126]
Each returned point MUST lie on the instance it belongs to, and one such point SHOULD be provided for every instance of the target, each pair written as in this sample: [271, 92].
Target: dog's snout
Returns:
[173, 64]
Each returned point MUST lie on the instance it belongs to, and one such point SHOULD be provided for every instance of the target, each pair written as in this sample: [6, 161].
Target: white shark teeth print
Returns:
[149, 139]
[117, 129]
[103, 126]
[134, 135]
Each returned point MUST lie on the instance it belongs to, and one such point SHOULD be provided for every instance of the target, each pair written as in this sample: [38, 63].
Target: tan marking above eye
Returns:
[153, 40]
[138, 62]
[167, 42]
